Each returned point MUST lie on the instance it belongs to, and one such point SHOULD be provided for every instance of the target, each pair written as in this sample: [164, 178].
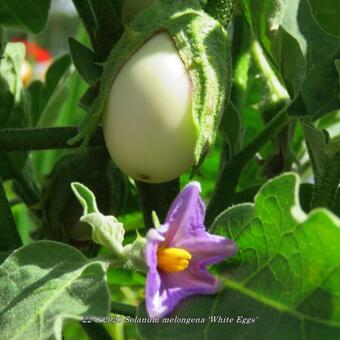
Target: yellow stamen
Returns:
[173, 259]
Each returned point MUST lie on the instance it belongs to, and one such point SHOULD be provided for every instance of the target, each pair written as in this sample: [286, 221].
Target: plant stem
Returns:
[123, 309]
[156, 197]
[44, 138]
[10, 238]
[276, 91]
[27, 192]
[230, 171]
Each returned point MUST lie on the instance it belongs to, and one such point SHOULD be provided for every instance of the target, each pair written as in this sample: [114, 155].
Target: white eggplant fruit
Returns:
[148, 113]
[162, 91]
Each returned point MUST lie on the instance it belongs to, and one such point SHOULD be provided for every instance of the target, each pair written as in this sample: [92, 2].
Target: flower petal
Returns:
[186, 214]
[154, 294]
[177, 286]
[207, 248]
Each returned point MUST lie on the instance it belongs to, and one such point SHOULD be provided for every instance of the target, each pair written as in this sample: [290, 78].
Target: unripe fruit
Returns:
[162, 91]
[148, 124]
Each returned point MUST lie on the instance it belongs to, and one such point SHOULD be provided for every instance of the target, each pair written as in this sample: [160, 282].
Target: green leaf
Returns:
[84, 11]
[10, 81]
[85, 197]
[231, 128]
[53, 90]
[108, 28]
[284, 280]
[9, 236]
[327, 13]
[337, 65]
[29, 15]
[46, 283]
[221, 10]
[56, 74]
[35, 90]
[302, 51]
[325, 159]
[106, 230]
[316, 142]
[83, 60]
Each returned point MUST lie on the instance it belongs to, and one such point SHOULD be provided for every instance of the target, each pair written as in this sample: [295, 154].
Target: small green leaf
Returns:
[283, 282]
[85, 197]
[9, 236]
[46, 97]
[46, 283]
[35, 90]
[106, 230]
[83, 60]
[84, 11]
[30, 15]
[134, 252]
[10, 81]
[55, 77]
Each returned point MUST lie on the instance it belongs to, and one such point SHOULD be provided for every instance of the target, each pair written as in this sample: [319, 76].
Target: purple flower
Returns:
[177, 253]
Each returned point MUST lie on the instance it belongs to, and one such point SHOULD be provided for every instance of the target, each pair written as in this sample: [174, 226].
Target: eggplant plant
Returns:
[169, 169]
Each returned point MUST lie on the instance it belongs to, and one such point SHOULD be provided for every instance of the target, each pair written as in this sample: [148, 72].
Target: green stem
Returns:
[9, 238]
[123, 309]
[230, 172]
[44, 138]
[276, 90]
[156, 197]
[27, 192]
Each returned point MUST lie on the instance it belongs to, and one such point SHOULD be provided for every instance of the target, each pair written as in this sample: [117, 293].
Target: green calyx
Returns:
[203, 46]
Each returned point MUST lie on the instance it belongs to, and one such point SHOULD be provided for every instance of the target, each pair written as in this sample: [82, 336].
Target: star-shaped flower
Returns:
[177, 253]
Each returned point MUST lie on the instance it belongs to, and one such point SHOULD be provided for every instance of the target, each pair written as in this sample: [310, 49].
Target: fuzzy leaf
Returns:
[46, 283]
[83, 60]
[106, 230]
